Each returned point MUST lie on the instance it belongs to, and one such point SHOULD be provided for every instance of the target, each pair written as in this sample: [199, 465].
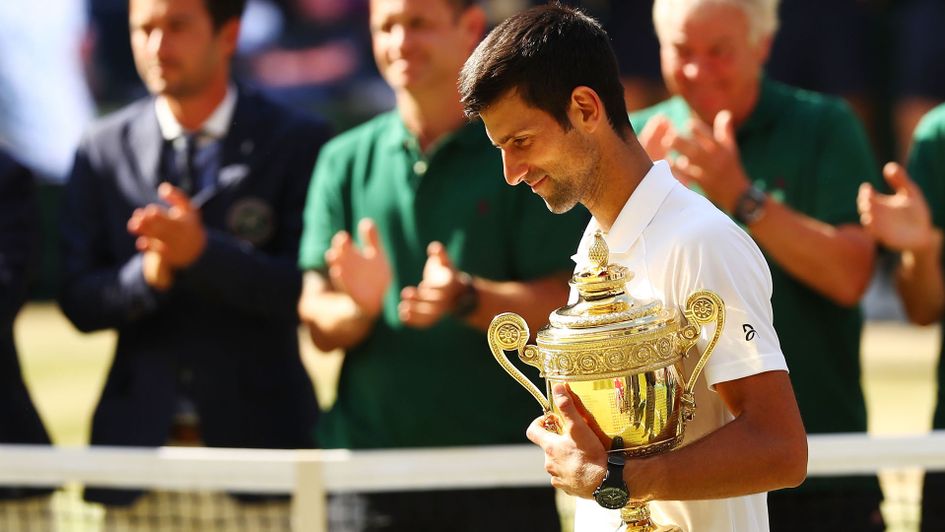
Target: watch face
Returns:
[612, 498]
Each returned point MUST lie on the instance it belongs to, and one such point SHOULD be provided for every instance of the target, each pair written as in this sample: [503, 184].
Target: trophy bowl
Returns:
[622, 360]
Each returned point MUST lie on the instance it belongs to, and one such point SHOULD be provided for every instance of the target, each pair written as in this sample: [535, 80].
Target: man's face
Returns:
[421, 44]
[176, 50]
[560, 166]
[709, 60]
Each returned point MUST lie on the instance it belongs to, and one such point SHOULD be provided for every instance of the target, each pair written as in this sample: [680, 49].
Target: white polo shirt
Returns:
[676, 242]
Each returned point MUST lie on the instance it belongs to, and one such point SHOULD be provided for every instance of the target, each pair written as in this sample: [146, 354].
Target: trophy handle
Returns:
[509, 332]
[704, 307]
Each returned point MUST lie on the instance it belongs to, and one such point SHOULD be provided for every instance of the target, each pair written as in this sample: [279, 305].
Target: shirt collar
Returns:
[216, 126]
[639, 210]
[399, 137]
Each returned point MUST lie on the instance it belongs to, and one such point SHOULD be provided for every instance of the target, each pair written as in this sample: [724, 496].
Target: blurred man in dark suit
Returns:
[180, 225]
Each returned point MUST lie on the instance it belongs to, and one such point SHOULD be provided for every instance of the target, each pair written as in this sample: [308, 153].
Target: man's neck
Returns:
[740, 114]
[749, 103]
[192, 111]
[430, 118]
[624, 164]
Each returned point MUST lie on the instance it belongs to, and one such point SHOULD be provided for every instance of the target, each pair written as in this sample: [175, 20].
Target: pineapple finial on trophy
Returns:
[599, 253]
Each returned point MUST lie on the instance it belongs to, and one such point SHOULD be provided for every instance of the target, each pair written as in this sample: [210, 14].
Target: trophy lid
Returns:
[606, 331]
[602, 296]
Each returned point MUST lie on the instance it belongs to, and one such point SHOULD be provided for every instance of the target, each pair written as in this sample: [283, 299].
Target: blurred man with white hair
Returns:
[786, 164]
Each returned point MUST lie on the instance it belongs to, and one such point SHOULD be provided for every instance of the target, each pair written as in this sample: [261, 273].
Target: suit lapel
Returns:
[143, 146]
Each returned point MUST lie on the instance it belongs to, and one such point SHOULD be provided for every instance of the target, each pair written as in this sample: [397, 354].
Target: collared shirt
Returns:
[203, 157]
[675, 243]
[216, 126]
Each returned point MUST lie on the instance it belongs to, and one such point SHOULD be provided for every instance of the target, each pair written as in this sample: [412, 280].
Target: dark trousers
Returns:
[789, 511]
[933, 503]
[474, 510]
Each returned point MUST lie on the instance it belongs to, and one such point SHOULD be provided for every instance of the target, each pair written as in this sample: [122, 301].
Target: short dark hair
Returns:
[222, 11]
[544, 53]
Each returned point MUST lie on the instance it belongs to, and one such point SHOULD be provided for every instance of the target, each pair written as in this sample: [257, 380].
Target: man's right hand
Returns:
[657, 136]
[364, 274]
[900, 221]
[576, 458]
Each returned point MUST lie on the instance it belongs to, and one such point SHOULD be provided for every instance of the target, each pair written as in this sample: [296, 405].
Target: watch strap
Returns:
[468, 300]
[613, 479]
[750, 206]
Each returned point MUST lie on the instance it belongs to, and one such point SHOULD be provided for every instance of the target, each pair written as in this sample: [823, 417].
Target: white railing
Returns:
[309, 474]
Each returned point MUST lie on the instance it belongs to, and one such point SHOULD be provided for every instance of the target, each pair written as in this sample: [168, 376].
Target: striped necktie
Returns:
[185, 147]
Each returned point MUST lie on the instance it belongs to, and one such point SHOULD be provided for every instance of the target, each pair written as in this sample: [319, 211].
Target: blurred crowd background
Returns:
[65, 62]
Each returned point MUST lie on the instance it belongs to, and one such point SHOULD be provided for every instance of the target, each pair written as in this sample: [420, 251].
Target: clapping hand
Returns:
[363, 273]
[425, 304]
[710, 159]
[170, 238]
[900, 221]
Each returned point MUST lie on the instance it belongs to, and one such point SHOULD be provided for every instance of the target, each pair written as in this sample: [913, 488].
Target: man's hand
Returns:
[900, 221]
[576, 459]
[710, 159]
[657, 137]
[423, 305]
[175, 233]
[364, 274]
[157, 273]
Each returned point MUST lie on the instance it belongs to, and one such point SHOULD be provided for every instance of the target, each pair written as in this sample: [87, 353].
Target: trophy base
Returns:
[636, 518]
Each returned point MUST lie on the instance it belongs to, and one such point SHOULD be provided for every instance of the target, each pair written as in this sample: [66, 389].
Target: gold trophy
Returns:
[622, 360]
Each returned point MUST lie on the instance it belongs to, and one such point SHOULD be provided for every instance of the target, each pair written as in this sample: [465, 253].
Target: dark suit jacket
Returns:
[19, 422]
[229, 319]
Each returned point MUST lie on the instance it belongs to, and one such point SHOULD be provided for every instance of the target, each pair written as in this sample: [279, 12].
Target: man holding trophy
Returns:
[545, 83]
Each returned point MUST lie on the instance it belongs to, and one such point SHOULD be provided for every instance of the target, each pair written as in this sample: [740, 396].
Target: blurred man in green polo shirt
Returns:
[786, 164]
[442, 246]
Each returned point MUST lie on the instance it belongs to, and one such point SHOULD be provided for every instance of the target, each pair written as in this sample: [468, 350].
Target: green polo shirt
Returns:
[807, 151]
[927, 168]
[405, 387]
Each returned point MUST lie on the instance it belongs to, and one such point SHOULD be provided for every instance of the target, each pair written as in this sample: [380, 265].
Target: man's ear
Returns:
[763, 49]
[230, 35]
[586, 110]
[474, 21]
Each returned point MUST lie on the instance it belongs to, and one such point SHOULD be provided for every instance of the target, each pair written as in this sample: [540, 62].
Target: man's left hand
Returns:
[709, 158]
[423, 305]
[176, 232]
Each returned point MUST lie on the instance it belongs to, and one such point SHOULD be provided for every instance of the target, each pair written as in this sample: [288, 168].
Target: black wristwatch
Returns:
[612, 492]
[468, 300]
[750, 206]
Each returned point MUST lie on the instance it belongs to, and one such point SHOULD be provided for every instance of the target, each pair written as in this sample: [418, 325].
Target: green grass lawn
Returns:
[64, 370]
